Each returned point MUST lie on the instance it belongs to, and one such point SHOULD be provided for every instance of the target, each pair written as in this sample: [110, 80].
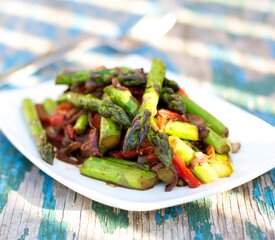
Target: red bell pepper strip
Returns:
[63, 108]
[56, 119]
[169, 115]
[185, 172]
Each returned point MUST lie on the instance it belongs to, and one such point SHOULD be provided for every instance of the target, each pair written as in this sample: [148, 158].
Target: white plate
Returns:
[256, 156]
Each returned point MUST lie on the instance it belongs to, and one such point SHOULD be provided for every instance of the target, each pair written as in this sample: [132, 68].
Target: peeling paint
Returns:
[171, 212]
[25, 234]
[49, 227]
[253, 232]
[264, 203]
[12, 171]
[198, 213]
[110, 218]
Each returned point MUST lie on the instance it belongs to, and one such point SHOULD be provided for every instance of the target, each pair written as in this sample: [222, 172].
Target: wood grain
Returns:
[236, 214]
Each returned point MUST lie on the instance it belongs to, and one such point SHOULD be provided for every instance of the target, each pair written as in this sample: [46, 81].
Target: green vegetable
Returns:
[166, 175]
[143, 122]
[182, 130]
[199, 165]
[127, 77]
[219, 143]
[123, 98]
[109, 133]
[213, 122]
[81, 124]
[49, 106]
[105, 108]
[222, 165]
[119, 173]
[37, 131]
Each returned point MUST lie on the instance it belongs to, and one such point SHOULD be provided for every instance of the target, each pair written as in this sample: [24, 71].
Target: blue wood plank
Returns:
[253, 232]
[12, 171]
[198, 213]
[110, 219]
[50, 228]
[169, 213]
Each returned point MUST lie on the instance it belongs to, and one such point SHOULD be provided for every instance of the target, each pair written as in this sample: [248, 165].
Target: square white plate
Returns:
[256, 156]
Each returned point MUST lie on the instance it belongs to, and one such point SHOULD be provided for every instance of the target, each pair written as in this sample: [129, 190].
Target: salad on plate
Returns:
[131, 128]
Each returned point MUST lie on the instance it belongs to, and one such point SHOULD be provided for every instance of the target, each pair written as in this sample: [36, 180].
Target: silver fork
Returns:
[147, 30]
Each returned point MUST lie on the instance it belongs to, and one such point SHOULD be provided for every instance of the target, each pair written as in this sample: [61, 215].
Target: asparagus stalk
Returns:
[214, 123]
[126, 76]
[129, 163]
[148, 108]
[123, 98]
[132, 78]
[109, 133]
[45, 149]
[196, 161]
[105, 108]
[119, 173]
[161, 145]
[49, 106]
[221, 163]
[102, 76]
[219, 143]
[166, 175]
[171, 84]
[170, 98]
[182, 130]
[143, 123]
[81, 124]
[173, 101]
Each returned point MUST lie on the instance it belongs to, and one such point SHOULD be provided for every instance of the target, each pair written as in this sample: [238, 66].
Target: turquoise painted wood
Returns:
[225, 46]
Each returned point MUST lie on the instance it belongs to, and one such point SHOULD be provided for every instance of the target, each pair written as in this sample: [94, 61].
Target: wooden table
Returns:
[227, 47]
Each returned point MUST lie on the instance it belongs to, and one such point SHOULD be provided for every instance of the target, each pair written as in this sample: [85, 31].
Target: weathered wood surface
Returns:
[226, 46]
[40, 207]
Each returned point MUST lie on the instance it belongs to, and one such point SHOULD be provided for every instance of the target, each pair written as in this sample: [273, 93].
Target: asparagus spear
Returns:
[171, 98]
[171, 84]
[214, 123]
[220, 144]
[132, 78]
[143, 122]
[129, 163]
[123, 98]
[81, 124]
[182, 130]
[196, 161]
[38, 133]
[49, 106]
[166, 175]
[105, 108]
[173, 101]
[126, 76]
[118, 172]
[161, 145]
[109, 133]
[222, 165]
[148, 108]
[102, 76]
